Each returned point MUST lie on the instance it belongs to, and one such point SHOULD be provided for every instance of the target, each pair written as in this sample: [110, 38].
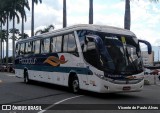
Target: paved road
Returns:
[14, 91]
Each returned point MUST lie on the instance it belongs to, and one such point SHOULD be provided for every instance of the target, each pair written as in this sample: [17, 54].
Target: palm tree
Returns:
[7, 27]
[14, 9]
[32, 21]
[11, 7]
[90, 11]
[47, 29]
[3, 39]
[23, 36]
[16, 32]
[6, 9]
[64, 14]
[2, 21]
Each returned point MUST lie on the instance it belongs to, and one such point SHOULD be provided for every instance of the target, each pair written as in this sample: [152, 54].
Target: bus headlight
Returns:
[100, 76]
[104, 77]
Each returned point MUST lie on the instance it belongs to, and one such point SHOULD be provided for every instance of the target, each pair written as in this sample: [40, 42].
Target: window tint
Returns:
[45, 45]
[37, 47]
[53, 44]
[22, 49]
[58, 44]
[65, 43]
[71, 43]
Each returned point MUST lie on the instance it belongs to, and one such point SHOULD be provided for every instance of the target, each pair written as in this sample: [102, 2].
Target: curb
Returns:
[8, 74]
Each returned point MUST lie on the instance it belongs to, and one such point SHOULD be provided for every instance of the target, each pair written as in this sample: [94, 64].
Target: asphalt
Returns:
[14, 91]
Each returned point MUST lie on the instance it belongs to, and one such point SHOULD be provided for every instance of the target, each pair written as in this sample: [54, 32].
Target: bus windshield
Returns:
[119, 54]
[125, 54]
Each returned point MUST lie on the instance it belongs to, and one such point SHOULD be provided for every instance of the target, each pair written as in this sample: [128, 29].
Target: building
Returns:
[148, 59]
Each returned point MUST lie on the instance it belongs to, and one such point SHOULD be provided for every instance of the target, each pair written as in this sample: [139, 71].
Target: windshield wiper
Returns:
[132, 62]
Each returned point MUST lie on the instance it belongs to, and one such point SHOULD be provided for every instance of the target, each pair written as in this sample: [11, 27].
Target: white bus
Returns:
[97, 58]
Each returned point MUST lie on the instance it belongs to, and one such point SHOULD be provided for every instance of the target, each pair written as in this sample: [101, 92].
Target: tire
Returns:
[26, 79]
[75, 85]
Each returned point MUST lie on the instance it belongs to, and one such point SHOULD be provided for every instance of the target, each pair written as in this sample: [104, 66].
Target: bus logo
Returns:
[54, 61]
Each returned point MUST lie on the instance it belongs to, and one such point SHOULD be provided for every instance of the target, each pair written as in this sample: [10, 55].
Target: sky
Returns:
[145, 16]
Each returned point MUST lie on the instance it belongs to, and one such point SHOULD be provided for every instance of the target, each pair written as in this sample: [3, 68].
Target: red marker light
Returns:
[62, 58]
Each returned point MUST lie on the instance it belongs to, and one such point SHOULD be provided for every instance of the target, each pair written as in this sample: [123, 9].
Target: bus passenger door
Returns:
[91, 58]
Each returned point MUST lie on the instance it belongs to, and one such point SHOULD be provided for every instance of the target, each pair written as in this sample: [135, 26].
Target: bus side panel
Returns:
[93, 81]
[70, 66]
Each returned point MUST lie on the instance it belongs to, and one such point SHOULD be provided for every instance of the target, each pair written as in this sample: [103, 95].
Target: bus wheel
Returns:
[26, 79]
[75, 85]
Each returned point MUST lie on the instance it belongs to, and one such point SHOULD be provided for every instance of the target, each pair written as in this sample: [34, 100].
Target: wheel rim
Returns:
[75, 86]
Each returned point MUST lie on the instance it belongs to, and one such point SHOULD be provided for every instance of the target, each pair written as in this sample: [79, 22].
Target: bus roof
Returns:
[93, 27]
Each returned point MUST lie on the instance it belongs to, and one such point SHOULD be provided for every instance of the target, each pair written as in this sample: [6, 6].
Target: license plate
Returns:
[126, 88]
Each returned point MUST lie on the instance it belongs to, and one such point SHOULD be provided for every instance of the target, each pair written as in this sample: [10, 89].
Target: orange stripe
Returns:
[56, 62]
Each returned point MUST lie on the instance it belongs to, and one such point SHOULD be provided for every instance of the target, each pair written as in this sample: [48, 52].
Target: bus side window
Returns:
[59, 44]
[45, 45]
[65, 43]
[17, 45]
[29, 47]
[26, 48]
[33, 47]
[42, 46]
[17, 49]
[53, 44]
[22, 49]
[37, 47]
[72, 47]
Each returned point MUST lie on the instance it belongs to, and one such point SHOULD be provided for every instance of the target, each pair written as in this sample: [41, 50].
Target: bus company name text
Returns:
[27, 60]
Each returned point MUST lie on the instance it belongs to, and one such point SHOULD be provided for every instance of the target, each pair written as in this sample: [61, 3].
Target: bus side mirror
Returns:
[148, 45]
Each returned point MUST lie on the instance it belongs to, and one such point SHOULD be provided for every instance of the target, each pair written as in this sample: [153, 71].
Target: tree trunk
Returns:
[1, 43]
[3, 52]
[22, 24]
[64, 14]
[13, 42]
[127, 16]
[90, 11]
[32, 21]
[7, 41]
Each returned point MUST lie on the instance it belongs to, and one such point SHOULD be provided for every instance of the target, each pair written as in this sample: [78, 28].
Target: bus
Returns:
[96, 58]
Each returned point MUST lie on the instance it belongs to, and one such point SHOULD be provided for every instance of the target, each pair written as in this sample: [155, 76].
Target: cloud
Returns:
[145, 16]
